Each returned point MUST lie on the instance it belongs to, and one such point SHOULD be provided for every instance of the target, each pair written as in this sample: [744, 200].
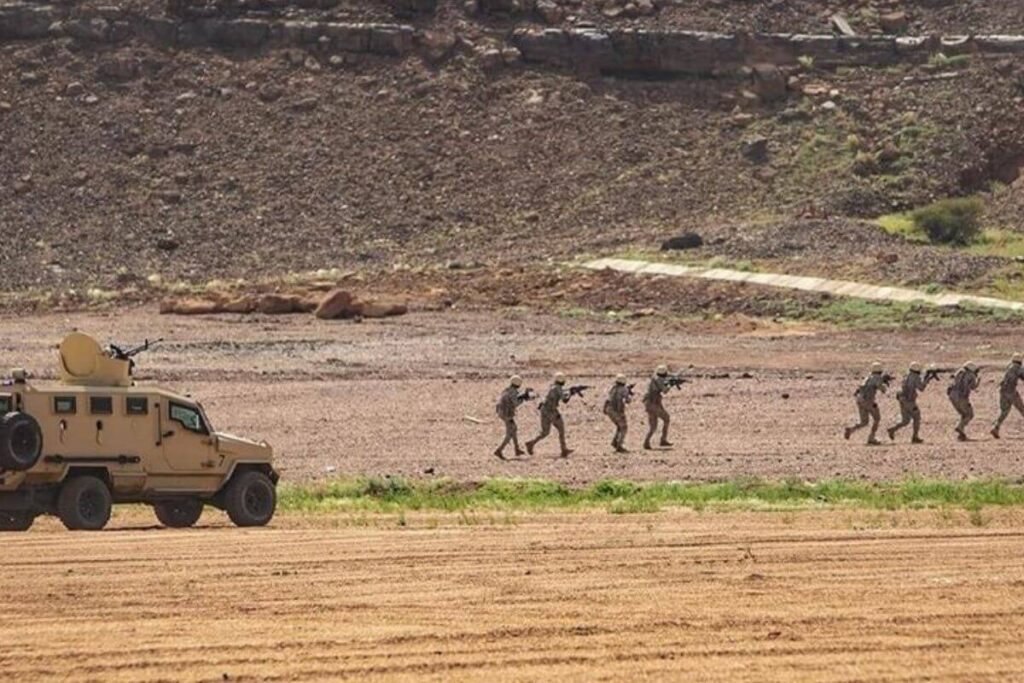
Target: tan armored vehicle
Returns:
[74, 448]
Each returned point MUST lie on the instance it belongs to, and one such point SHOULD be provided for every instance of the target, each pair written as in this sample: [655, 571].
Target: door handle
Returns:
[167, 434]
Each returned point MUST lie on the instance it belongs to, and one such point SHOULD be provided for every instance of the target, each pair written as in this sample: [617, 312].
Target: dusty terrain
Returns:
[840, 596]
[414, 396]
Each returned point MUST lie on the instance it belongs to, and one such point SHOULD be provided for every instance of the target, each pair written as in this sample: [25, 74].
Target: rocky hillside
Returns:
[206, 140]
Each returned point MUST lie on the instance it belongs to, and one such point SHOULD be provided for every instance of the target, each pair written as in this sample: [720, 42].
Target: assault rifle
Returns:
[577, 390]
[887, 379]
[936, 373]
[676, 382]
[629, 391]
[526, 395]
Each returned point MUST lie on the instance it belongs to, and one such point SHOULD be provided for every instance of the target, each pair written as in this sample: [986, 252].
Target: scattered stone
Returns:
[305, 104]
[894, 22]
[829, 106]
[646, 8]
[755, 148]
[118, 69]
[31, 78]
[794, 115]
[511, 55]
[436, 45]
[550, 12]
[90, 99]
[769, 82]
[5, 107]
[74, 89]
[490, 58]
[688, 240]
[270, 92]
[167, 243]
[841, 26]
[168, 196]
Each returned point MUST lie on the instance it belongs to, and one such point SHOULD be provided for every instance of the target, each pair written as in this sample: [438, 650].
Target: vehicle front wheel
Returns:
[178, 513]
[16, 521]
[84, 504]
[250, 499]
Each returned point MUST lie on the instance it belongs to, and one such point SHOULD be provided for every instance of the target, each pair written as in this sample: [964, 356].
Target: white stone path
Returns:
[807, 284]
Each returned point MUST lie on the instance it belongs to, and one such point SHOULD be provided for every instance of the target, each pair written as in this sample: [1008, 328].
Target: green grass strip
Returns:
[399, 495]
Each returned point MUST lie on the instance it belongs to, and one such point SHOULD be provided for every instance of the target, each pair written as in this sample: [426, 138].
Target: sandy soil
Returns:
[404, 396]
[824, 596]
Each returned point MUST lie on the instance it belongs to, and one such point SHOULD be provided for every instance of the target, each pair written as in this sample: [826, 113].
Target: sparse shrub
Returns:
[950, 221]
[806, 62]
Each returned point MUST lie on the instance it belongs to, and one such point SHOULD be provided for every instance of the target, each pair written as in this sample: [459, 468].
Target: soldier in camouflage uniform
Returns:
[867, 405]
[508, 402]
[656, 388]
[964, 382]
[615, 408]
[1009, 398]
[550, 416]
[907, 397]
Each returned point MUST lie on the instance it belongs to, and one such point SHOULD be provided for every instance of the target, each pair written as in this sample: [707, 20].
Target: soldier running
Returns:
[550, 415]
[508, 402]
[1009, 397]
[867, 405]
[964, 382]
[615, 408]
[656, 388]
[907, 397]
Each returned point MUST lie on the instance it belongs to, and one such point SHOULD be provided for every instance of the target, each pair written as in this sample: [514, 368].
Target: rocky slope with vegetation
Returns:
[127, 161]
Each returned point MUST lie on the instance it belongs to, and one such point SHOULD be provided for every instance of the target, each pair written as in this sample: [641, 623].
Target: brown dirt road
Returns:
[395, 396]
[824, 596]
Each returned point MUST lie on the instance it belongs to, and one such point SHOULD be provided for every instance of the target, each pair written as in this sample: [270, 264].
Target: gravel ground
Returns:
[414, 396]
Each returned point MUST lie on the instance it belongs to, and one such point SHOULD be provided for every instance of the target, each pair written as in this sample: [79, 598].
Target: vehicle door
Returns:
[185, 436]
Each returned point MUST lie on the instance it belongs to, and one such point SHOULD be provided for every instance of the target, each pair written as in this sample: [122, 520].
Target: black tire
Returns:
[21, 442]
[250, 499]
[16, 521]
[178, 513]
[84, 504]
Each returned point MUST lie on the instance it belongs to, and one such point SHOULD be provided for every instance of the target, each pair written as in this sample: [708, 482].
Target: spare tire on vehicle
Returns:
[21, 442]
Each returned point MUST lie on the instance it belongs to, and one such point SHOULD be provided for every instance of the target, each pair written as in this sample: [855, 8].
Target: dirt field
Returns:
[825, 596]
[404, 396]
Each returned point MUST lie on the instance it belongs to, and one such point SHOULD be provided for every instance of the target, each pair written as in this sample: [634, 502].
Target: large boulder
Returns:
[337, 303]
[340, 303]
[279, 304]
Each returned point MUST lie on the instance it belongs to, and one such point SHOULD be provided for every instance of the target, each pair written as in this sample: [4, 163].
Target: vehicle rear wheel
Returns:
[250, 499]
[178, 513]
[84, 504]
[21, 442]
[16, 521]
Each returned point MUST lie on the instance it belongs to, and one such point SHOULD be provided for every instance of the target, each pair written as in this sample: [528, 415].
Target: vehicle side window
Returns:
[101, 405]
[188, 417]
[5, 404]
[137, 405]
[64, 405]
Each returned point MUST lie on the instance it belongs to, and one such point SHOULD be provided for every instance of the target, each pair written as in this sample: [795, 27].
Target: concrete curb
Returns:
[846, 288]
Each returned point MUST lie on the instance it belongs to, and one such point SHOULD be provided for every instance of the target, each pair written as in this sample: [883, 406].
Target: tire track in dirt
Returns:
[724, 596]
